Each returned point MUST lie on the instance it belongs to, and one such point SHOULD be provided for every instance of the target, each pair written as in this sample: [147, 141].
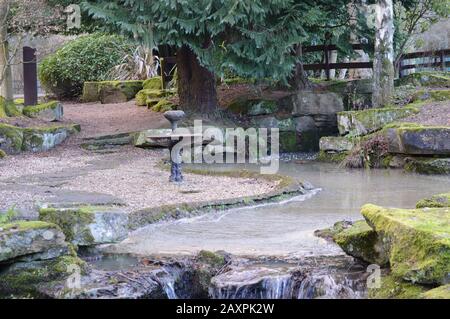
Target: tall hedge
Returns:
[87, 58]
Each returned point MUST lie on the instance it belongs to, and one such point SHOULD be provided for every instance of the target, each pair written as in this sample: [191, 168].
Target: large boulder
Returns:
[362, 242]
[45, 138]
[309, 103]
[34, 239]
[335, 144]
[53, 278]
[11, 138]
[426, 165]
[90, 92]
[148, 97]
[442, 292]
[51, 112]
[439, 200]
[154, 83]
[118, 91]
[396, 288]
[418, 241]
[432, 79]
[253, 107]
[153, 138]
[308, 133]
[88, 225]
[419, 140]
[363, 122]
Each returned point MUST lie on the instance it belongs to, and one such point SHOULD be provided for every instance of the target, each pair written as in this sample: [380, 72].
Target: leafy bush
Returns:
[87, 58]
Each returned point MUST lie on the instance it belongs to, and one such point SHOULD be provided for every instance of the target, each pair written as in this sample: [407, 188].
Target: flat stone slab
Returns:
[88, 225]
[34, 239]
[417, 240]
[335, 144]
[363, 122]
[419, 140]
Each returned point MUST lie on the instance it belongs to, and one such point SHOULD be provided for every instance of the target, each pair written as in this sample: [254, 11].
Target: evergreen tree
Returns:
[252, 38]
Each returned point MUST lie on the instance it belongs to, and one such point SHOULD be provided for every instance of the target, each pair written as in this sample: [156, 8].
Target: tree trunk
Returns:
[299, 80]
[196, 85]
[383, 64]
[5, 67]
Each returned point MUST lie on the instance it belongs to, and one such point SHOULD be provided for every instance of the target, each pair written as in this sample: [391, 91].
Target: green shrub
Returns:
[87, 58]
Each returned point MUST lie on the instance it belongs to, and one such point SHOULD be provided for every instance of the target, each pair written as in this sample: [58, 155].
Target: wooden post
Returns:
[29, 76]
[163, 74]
[327, 62]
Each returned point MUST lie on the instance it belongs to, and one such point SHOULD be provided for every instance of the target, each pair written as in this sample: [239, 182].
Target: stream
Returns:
[286, 229]
[274, 251]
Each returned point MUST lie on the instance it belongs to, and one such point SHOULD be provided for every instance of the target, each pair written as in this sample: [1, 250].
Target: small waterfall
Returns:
[325, 286]
[277, 288]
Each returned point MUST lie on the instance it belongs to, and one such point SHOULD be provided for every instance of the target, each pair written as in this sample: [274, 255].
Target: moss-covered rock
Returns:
[439, 200]
[362, 242]
[289, 141]
[331, 157]
[50, 111]
[431, 79]
[2, 153]
[88, 225]
[45, 138]
[252, 106]
[90, 92]
[424, 165]
[163, 105]
[8, 108]
[357, 123]
[11, 138]
[29, 238]
[143, 95]
[418, 241]
[41, 279]
[154, 83]
[329, 233]
[442, 292]
[118, 91]
[419, 140]
[396, 288]
[335, 144]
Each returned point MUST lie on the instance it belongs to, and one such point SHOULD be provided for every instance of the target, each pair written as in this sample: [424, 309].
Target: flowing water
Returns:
[286, 229]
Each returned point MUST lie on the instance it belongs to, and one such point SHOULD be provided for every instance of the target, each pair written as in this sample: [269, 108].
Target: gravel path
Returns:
[437, 113]
[127, 175]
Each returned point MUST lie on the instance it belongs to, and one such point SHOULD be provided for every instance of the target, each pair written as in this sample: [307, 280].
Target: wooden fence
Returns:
[437, 60]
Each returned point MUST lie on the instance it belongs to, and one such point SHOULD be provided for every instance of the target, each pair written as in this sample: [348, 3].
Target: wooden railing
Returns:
[436, 60]
[327, 66]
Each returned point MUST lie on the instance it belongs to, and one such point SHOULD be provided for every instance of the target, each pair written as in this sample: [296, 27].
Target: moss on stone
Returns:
[33, 110]
[19, 101]
[211, 258]
[361, 241]
[31, 279]
[2, 153]
[431, 166]
[442, 292]
[418, 240]
[163, 105]
[440, 200]
[288, 141]
[143, 95]
[331, 157]
[128, 88]
[8, 108]
[22, 225]
[154, 83]
[73, 222]
[13, 134]
[90, 92]
[432, 79]
[396, 288]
